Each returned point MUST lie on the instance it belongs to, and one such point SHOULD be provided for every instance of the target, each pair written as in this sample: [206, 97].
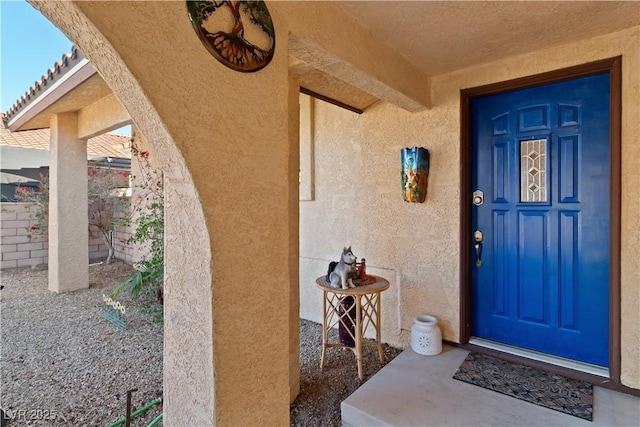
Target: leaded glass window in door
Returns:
[533, 171]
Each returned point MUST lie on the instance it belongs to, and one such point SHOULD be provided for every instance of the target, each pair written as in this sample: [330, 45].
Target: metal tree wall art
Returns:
[239, 34]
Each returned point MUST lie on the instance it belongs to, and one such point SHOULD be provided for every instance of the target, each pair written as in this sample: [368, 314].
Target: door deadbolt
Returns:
[478, 198]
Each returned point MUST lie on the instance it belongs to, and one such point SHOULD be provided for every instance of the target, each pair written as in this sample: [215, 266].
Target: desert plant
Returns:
[104, 206]
[148, 218]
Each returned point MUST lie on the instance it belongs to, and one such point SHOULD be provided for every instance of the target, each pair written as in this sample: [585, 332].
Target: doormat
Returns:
[573, 397]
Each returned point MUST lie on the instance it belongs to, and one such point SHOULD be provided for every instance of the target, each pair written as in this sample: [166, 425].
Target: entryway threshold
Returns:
[417, 390]
[542, 357]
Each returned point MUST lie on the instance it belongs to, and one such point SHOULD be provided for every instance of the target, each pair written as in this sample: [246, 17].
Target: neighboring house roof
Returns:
[24, 156]
[105, 145]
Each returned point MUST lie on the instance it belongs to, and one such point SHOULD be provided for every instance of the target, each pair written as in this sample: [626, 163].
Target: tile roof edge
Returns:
[60, 68]
[39, 139]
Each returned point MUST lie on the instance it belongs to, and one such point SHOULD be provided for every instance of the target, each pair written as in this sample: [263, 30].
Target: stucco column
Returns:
[68, 200]
[294, 240]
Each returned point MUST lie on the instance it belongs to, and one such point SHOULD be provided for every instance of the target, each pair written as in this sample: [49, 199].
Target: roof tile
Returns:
[69, 60]
[107, 145]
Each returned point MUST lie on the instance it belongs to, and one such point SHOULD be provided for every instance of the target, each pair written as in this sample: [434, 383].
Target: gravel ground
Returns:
[62, 364]
[321, 391]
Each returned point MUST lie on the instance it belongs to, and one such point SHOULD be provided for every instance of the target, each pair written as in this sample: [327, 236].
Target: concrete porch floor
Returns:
[416, 390]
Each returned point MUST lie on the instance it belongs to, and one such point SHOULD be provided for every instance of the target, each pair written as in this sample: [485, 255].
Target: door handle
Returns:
[478, 236]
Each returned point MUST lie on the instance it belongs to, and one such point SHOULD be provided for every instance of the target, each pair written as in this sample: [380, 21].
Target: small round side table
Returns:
[367, 313]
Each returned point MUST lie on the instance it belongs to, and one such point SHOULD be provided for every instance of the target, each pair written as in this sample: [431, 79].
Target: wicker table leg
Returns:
[359, 335]
[325, 330]
[378, 328]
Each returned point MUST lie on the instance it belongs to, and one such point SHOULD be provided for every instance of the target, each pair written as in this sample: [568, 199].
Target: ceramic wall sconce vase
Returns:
[239, 34]
[415, 173]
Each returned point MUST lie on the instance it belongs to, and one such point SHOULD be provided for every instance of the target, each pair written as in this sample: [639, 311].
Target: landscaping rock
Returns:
[63, 364]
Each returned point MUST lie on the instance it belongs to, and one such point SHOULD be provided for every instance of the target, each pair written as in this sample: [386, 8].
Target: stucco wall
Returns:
[358, 200]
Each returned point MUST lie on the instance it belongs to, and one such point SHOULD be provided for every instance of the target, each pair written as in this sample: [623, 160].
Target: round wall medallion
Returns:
[239, 34]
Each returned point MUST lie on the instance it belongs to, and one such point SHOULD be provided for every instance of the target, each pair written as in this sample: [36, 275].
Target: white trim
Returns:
[547, 358]
[80, 65]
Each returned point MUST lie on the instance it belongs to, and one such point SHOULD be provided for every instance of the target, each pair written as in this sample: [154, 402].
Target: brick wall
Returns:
[122, 250]
[19, 249]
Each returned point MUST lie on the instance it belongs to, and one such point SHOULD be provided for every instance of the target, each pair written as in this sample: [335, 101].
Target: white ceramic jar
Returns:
[426, 337]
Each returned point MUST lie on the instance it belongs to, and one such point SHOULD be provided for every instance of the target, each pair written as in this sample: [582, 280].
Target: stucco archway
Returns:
[186, 262]
[229, 152]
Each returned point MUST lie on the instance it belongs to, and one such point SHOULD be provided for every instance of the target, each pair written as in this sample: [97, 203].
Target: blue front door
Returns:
[541, 218]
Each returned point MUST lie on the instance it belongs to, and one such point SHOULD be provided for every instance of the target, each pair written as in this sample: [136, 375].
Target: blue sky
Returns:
[29, 46]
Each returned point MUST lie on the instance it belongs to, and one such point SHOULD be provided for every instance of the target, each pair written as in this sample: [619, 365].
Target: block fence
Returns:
[19, 249]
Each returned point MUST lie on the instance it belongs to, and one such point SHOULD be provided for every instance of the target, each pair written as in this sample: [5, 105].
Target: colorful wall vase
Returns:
[239, 34]
[415, 173]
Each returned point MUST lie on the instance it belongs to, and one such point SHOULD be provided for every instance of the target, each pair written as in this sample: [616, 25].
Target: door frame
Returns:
[614, 67]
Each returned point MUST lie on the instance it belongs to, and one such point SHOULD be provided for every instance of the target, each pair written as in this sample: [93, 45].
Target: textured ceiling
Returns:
[439, 37]
[443, 36]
